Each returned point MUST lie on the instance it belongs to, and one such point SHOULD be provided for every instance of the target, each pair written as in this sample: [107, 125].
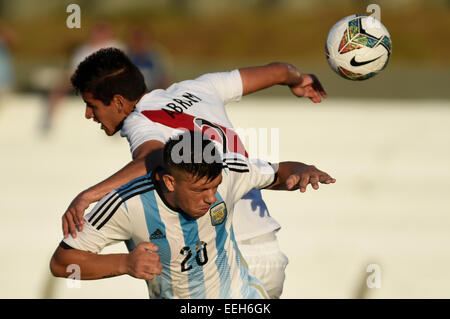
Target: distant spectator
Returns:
[101, 36]
[7, 41]
[150, 61]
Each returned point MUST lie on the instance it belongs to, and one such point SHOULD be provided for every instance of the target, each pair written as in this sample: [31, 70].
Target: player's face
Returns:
[107, 115]
[193, 196]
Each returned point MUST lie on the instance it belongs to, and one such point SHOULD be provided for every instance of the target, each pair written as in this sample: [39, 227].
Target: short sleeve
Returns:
[139, 129]
[106, 224]
[247, 175]
[228, 85]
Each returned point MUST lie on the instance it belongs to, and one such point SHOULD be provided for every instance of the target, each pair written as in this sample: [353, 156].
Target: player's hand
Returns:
[73, 218]
[143, 262]
[309, 87]
[307, 174]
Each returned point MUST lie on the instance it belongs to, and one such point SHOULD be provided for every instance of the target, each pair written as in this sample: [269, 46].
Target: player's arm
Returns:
[140, 263]
[296, 175]
[302, 85]
[145, 157]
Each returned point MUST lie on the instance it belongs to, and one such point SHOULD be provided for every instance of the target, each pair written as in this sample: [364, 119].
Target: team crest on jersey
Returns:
[218, 213]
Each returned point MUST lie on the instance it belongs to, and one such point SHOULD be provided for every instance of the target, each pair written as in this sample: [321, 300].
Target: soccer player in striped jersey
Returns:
[177, 223]
[115, 95]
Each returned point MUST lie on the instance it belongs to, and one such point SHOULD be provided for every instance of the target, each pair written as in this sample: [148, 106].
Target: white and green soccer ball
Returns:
[358, 47]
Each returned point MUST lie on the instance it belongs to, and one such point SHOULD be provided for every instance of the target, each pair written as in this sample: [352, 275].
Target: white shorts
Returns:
[266, 262]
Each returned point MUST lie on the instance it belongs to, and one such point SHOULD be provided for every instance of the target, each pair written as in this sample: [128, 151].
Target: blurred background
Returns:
[386, 140]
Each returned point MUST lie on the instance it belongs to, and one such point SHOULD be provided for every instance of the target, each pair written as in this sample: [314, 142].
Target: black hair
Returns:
[107, 72]
[194, 153]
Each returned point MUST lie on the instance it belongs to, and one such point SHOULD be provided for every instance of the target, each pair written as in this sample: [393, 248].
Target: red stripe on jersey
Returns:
[215, 131]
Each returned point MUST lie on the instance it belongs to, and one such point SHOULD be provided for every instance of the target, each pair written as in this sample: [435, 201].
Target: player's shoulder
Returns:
[241, 165]
[137, 186]
[119, 200]
[236, 163]
[157, 98]
[224, 76]
[206, 81]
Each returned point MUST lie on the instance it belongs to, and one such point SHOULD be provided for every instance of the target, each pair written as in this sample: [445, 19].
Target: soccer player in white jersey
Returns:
[115, 95]
[177, 222]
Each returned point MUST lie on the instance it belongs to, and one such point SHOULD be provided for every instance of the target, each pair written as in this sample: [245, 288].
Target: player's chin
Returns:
[108, 131]
[199, 213]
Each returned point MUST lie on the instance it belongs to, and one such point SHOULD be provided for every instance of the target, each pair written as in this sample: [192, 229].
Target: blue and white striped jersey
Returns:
[200, 257]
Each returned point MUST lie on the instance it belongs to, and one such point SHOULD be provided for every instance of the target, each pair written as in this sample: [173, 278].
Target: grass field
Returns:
[389, 205]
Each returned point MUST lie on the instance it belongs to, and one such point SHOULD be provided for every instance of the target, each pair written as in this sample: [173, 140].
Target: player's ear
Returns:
[169, 182]
[119, 102]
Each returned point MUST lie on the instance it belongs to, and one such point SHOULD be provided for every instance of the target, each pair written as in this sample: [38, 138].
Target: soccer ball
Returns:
[358, 47]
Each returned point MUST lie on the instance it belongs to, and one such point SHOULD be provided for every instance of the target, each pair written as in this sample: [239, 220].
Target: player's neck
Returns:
[132, 105]
[130, 108]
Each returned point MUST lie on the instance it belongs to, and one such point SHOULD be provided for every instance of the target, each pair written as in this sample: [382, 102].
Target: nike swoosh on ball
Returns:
[353, 62]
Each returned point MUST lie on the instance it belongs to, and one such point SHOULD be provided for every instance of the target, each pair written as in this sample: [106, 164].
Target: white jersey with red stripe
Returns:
[199, 105]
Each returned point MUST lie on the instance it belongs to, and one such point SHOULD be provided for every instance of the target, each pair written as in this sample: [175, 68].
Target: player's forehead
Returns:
[193, 182]
[87, 95]
[89, 99]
